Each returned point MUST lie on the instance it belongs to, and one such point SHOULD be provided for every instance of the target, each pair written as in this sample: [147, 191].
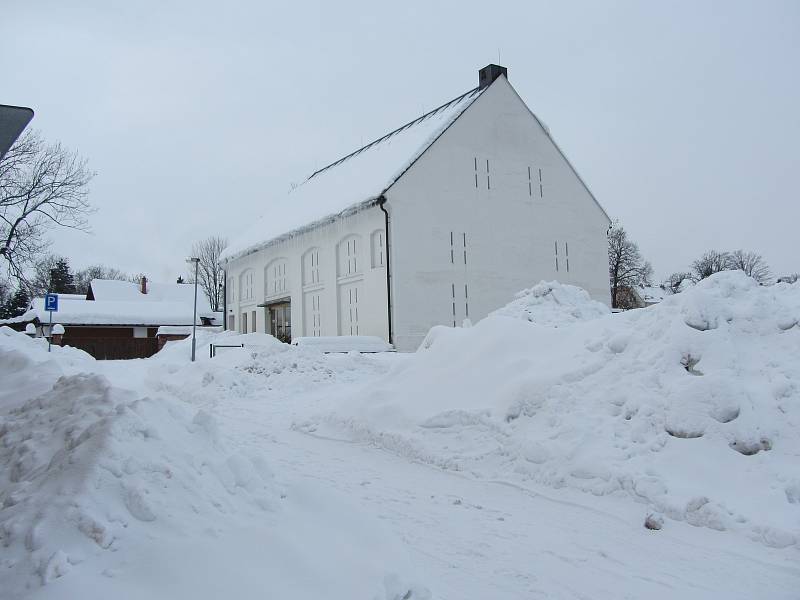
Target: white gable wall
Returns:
[511, 229]
[328, 273]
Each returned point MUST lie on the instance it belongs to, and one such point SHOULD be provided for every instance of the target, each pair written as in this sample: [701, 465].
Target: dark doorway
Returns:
[279, 318]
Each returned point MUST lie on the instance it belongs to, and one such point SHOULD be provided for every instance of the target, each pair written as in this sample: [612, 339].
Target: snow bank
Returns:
[553, 304]
[691, 407]
[344, 343]
[26, 368]
[105, 492]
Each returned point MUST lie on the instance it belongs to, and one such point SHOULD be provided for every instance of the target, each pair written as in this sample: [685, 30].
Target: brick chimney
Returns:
[143, 285]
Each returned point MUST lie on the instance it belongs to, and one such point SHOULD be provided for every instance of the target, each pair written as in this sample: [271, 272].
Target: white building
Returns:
[440, 220]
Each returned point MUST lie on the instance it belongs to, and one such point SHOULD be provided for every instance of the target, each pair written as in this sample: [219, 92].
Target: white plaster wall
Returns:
[510, 231]
[371, 281]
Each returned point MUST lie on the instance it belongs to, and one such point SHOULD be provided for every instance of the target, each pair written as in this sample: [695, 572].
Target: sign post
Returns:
[51, 306]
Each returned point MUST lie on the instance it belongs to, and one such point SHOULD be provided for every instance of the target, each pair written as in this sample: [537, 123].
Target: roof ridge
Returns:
[391, 133]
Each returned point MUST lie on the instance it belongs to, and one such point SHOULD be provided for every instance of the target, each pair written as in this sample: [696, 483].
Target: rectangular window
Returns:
[541, 193]
[253, 321]
[566, 254]
[464, 242]
[488, 182]
[244, 323]
[556, 247]
[452, 256]
[453, 291]
[231, 323]
[530, 187]
[476, 172]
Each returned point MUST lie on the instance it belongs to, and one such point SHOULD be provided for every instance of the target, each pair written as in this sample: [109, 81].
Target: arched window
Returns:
[246, 280]
[378, 248]
[311, 270]
[349, 261]
[276, 281]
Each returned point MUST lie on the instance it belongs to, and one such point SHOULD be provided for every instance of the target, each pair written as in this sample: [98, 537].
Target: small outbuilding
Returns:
[117, 319]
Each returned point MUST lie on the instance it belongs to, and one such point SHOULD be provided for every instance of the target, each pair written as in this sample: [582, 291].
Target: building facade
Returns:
[441, 220]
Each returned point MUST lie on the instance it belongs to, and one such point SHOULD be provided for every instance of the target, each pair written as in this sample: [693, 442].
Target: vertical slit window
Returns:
[530, 187]
[476, 172]
[566, 254]
[555, 244]
[488, 182]
[541, 193]
[466, 301]
[452, 259]
[464, 241]
[453, 292]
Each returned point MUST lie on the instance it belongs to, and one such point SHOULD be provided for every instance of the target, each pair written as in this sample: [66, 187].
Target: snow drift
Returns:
[105, 492]
[690, 407]
[553, 304]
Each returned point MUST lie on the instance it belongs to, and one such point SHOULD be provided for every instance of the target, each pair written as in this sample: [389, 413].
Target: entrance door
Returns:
[280, 321]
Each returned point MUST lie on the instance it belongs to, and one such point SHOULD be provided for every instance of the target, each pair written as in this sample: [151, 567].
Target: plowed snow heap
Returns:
[691, 407]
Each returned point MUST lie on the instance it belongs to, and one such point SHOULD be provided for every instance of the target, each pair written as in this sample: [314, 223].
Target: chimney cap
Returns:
[143, 285]
[489, 73]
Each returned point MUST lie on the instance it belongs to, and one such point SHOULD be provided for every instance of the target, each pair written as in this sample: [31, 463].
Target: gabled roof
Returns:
[126, 291]
[354, 181]
[116, 312]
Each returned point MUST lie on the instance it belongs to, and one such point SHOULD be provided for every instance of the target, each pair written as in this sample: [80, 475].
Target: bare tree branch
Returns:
[626, 267]
[751, 263]
[41, 187]
[210, 272]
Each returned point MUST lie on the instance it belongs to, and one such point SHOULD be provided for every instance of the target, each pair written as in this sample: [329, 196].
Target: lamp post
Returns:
[196, 262]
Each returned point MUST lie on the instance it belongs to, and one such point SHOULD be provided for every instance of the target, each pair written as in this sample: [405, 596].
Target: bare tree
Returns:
[711, 262]
[751, 263]
[674, 282]
[626, 267]
[210, 272]
[84, 277]
[42, 186]
[790, 278]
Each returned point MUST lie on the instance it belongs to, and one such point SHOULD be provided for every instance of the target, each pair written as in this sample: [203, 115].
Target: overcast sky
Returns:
[683, 118]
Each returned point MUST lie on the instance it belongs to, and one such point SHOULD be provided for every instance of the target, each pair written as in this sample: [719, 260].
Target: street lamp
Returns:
[196, 262]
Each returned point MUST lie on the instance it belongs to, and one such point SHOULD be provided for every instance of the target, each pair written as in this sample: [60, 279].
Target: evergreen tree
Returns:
[62, 281]
[16, 305]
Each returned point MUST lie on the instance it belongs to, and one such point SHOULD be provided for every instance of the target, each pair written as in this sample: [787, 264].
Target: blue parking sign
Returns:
[51, 302]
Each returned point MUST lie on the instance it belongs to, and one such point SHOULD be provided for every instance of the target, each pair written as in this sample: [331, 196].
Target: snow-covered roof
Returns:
[121, 303]
[652, 294]
[353, 182]
[107, 312]
[113, 290]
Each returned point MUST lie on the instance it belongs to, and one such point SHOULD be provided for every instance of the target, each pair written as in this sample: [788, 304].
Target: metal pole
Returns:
[50, 337]
[194, 319]
[225, 300]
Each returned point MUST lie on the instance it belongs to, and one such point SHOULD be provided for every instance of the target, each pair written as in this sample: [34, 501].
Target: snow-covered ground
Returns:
[518, 458]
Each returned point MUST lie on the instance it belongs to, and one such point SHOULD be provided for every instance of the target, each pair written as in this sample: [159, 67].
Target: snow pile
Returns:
[553, 304]
[146, 491]
[26, 368]
[691, 407]
[344, 343]
[86, 465]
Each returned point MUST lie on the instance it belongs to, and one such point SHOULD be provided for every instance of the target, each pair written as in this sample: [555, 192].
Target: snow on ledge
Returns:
[344, 343]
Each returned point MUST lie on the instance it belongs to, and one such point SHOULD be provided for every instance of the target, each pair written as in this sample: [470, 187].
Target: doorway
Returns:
[279, 319]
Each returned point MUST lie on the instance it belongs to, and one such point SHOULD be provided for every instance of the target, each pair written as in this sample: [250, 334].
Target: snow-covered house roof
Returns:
[652, 294]
[112, 302]
[110, 312]
[355, 181]
[112, 290]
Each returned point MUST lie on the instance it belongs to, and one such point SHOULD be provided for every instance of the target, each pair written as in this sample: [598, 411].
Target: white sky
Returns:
[683, 117]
